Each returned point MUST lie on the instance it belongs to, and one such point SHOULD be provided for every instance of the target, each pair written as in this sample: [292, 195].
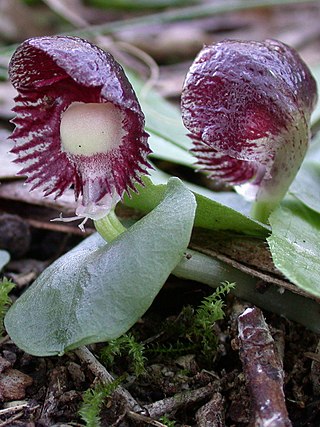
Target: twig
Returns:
[10, 420]
[87, 358]
[144, 419]
[13, 409]
[263, 370]
[135, 411]
[179, 400]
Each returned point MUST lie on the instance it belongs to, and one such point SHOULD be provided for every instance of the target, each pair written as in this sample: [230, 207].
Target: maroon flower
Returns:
[247, 105]
[78, 122]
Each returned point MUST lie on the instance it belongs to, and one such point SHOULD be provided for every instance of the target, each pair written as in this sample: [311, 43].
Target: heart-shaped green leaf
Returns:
[97, 291]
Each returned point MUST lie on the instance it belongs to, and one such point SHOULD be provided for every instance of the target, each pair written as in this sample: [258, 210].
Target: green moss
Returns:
[6, 287]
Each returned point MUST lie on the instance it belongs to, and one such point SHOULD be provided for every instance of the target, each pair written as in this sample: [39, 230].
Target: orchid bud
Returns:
[78, 122]
[247, 106]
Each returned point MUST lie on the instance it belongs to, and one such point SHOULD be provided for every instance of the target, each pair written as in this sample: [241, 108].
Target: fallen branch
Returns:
[263, 371]
[180, 400]
[88, 359]
[144, 419]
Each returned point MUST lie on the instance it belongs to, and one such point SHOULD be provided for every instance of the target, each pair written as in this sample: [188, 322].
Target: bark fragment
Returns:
[263, 370]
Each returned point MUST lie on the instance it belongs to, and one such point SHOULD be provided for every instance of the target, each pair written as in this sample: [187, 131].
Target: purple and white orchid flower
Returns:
[78, 123]
[247, 106]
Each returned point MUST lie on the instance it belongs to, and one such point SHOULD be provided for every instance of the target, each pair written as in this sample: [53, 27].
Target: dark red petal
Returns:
[226, 168]
[50, 73]
[241, 102]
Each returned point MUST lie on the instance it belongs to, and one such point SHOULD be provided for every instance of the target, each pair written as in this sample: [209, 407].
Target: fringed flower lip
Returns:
[78, 122]
[247, 106]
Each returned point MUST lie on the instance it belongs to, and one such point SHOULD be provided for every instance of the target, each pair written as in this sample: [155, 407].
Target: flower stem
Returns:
[109, 227]
[262, 209]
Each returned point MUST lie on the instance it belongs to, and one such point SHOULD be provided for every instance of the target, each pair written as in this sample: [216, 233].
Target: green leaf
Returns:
[138, 4]
[6, 287]
[168, 139]
[227, 198]
[215, 216]
[164, 149]
[306, 185]
[210, 214]
[294, 244]
[97, 291]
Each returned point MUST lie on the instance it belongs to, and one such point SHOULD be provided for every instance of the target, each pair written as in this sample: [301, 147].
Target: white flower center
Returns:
[88, 129]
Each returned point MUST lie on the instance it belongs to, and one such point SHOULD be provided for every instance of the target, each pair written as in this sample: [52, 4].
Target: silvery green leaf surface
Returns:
[97, 291]
[294, 244]
[307, 184]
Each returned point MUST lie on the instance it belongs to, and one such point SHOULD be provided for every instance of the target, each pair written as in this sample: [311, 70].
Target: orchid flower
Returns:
[247, 106]
[78, 123]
